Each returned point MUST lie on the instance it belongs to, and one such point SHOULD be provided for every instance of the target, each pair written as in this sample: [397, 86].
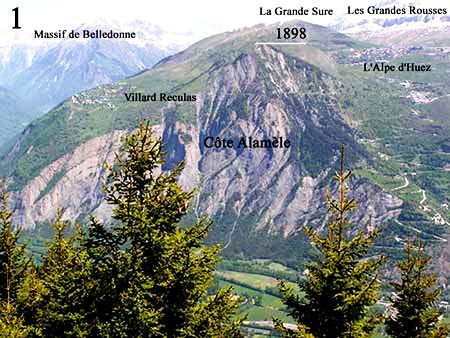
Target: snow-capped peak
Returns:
[352, 23]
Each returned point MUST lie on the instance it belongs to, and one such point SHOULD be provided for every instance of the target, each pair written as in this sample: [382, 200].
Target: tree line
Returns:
[144, 275]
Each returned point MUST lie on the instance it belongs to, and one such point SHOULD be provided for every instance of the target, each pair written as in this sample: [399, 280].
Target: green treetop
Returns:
[414, 302]
[342, 283]
[144, 275]
[14, 266]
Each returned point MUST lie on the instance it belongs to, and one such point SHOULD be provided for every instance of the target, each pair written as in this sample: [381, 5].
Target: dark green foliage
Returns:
[144, 277]
[414, 303]
[342, 283]
[59, 305]
[12, 255]
[174, 267]
[13, 273]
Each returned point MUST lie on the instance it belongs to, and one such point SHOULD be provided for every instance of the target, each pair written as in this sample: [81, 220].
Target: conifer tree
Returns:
[414, 303]
[13, 272]
[30, 300]
[342, 283]
[56, 295]
[172, 268]
[144, 275]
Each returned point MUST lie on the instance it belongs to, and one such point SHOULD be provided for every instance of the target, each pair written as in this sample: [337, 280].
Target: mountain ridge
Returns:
[316, 95]
[50, 72]
[264, 196]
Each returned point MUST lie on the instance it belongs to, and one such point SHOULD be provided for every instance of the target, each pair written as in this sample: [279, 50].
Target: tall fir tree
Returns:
[342, 283]
[173, 268]
[144, 275]
[415, 299]
[57, 296]
[14, 265]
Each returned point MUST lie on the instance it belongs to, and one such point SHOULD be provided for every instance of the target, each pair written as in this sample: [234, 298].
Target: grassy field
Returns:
[257, 305]
[261, 300]
[257, 281]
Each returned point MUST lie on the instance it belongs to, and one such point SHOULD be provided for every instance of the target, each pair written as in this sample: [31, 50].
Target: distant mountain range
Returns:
[14, 114]
[399, 30]
[44, 75]
[353, 24]
[73, 66]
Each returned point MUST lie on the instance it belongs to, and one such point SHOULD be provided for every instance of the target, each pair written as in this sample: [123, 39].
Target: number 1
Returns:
[16, 18]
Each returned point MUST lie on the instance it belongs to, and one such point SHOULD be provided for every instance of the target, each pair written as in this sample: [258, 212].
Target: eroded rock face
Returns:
[275, 191]
[280, 189]
[73, 182]
[257, 183]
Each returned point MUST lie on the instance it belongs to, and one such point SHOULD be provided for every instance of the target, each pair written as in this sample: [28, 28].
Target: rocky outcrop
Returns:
[73, 182]
[263, 95]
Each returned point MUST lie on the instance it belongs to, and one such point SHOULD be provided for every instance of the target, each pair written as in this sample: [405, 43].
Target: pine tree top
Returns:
[342, 282]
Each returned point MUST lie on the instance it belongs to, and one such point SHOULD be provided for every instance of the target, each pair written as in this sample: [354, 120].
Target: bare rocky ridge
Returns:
[78, 189]
[269, 191]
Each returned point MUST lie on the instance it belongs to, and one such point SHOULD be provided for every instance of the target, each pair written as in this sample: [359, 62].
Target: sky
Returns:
[176, 15]
[173, 13]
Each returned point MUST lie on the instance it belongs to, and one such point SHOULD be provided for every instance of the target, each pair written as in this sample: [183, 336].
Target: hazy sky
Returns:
[175, 14]
[170, 14]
